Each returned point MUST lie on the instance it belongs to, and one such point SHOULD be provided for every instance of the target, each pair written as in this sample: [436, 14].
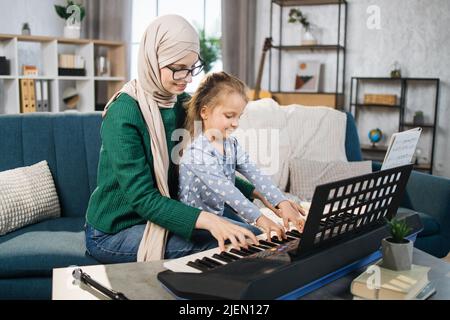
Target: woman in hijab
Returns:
[133, 214]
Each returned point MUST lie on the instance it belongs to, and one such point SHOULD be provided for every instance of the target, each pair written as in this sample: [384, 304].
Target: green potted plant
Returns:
[209, 50]
[73, 13]
[418, 118]
[396, 249]
[297, 16]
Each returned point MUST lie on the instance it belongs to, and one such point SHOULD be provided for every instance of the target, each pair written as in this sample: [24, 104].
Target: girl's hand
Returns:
[223, 230]
[268, 226]
[266, 203]
[292, 212]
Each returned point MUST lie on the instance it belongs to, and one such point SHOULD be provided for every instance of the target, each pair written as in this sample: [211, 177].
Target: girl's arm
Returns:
[214, 184]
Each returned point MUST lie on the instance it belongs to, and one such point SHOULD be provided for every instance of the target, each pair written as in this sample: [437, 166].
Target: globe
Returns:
[375, 135]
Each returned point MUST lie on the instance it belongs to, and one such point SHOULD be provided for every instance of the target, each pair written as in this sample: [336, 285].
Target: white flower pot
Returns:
[72, 31]
[308, 38]
[397, 256]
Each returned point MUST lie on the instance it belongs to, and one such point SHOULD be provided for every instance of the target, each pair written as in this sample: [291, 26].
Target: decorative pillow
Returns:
[262, 134]
[27, 195]
[305, 175]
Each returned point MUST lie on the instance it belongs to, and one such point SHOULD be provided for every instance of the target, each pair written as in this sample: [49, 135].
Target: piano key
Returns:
[263, 247]
[256, 247]
[197, 266]
[296, 232]
[222, 258]
[246, 251]
[212, 261]
[276, 240]
[206, 264]
[291, 238]
[249, 250]
[267, 243]
[292, 234]
[230, 256]
[239, 252]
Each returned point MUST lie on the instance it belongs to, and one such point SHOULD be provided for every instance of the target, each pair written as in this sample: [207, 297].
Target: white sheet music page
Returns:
[401, 148]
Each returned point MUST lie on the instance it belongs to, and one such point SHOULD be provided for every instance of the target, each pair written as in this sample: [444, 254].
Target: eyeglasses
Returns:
[180, 74]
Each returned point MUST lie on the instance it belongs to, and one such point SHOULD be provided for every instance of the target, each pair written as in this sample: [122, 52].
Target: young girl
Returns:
[209, 163]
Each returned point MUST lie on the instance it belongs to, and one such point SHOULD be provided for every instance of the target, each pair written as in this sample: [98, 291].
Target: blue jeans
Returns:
[122, 247]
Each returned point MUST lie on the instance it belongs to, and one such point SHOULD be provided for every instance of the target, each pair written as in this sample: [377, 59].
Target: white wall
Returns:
[413, 32]
[40, 14]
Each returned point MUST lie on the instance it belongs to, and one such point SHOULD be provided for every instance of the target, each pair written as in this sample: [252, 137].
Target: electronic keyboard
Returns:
[343, 231]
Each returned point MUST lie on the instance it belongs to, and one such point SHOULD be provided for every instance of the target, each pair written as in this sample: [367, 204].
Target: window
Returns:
[203, 14]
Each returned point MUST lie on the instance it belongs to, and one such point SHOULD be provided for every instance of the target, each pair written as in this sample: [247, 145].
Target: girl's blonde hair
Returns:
[214, 87]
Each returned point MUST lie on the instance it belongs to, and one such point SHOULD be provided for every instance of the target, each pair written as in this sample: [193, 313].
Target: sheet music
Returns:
[401, 148]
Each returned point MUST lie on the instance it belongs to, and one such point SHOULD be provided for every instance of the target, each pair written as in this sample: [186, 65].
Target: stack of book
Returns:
[378, 283]
[71, 65]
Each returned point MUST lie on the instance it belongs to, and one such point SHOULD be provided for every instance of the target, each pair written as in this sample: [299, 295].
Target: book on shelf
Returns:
[378, 283]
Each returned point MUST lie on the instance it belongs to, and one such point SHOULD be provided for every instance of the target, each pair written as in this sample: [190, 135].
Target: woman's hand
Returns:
[268, 226]
[292, 212]
[223, 230]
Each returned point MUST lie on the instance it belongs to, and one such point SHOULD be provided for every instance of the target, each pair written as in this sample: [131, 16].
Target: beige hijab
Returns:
[167, 39]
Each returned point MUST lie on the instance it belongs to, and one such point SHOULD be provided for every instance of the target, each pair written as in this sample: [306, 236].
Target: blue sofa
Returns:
[70, 142]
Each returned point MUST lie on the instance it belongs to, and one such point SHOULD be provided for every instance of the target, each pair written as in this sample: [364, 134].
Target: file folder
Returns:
[39, 105]
[31, 95]
[45, 96]
[24, 96]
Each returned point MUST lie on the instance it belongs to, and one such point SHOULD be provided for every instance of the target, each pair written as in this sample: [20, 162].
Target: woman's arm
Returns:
[123, 132]
[246, 188]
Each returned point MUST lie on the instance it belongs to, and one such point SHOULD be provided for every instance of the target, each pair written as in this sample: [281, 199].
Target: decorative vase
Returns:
[397, 256]
[26, 29]
[72, 31]
[308, 37]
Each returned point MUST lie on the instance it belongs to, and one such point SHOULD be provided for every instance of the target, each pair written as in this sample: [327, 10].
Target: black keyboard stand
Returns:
[346, 223]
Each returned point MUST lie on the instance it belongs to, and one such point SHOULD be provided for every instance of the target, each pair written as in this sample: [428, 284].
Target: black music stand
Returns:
[346, 208]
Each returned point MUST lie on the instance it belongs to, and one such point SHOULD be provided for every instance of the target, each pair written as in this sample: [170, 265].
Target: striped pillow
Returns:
[305, 175]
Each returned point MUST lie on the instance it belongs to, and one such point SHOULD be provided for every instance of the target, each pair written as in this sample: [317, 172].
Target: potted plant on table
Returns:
[73, 13]
[297, 16]
[396, 249]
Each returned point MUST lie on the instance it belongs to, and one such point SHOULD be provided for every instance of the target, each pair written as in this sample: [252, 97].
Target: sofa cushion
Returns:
[37, 249]
[27, 195]
[430, 225]
[305, 175]
[263, 135]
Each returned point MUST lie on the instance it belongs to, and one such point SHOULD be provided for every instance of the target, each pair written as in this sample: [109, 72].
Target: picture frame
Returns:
[307, 77]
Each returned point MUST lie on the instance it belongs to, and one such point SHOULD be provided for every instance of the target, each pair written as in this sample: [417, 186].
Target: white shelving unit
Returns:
[43, 52]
